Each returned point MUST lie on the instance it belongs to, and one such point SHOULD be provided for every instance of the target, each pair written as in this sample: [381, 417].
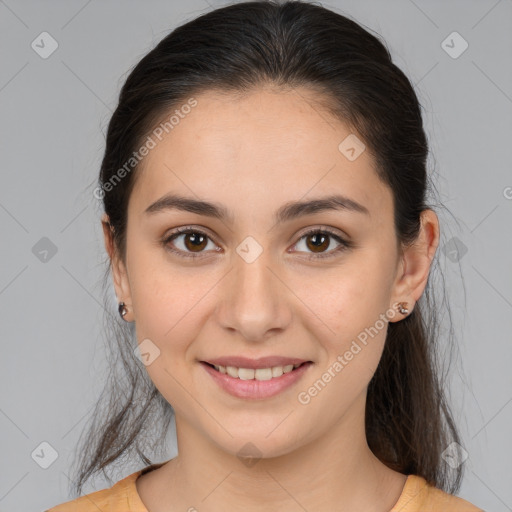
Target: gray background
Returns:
[53, 115]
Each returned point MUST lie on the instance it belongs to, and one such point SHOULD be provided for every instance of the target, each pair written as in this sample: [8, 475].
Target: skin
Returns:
[253, 154]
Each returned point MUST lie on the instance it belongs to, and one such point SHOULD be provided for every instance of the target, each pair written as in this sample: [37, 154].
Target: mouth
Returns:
[260, 374]
[256, 383]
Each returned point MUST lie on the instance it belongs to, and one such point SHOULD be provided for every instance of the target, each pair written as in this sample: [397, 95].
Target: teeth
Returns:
[258, 374]
[245, 373]
[277, 371]
[231, 371]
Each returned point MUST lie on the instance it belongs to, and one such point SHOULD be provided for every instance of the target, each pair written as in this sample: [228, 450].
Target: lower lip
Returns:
[256, 389]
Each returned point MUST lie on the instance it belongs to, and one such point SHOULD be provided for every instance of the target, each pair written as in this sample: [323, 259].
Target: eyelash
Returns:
[344, 244]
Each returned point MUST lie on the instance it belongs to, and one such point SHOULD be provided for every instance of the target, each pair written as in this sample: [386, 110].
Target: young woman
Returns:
[265, 217]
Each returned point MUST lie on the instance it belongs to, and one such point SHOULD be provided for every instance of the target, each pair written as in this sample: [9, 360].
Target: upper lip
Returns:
[262, 362]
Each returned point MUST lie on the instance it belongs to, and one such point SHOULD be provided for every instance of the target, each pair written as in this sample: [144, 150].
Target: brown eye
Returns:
[187, 242]
[195, 241]
[317, 241]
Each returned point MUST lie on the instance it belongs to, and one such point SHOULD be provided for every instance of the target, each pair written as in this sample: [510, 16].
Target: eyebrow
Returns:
[287, 212]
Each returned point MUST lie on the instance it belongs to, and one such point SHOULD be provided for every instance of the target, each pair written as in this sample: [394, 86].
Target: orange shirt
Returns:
[417, 496]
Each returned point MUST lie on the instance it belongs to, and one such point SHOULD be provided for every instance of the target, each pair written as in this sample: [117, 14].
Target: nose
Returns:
[254, 300]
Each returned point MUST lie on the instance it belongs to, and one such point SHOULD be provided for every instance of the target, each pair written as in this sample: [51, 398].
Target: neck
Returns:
[335, 472]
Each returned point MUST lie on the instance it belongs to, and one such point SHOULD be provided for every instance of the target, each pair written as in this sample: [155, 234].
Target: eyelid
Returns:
[185, 229]
[176, 232]
[323, 228]
[341, 238]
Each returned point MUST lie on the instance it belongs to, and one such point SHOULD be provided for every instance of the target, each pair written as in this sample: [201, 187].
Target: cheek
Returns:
[346, 312]
[167, 306]
[350, 356]
[162, 293]
[345, 299]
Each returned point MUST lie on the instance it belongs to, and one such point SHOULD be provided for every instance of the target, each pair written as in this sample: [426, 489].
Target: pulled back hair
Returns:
[291, 44]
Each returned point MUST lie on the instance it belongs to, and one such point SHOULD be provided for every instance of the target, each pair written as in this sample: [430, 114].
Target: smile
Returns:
[257, 374]
[256, 383]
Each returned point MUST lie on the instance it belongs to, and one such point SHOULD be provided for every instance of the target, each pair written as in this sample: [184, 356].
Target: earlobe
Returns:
[416, 261]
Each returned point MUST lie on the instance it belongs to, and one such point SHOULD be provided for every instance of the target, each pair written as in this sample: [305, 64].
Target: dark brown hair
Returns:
[290, 44]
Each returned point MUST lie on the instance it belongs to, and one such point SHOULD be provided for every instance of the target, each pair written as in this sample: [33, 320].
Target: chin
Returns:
[257, 443]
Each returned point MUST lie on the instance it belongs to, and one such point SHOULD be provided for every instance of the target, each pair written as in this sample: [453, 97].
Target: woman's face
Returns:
[253, 283]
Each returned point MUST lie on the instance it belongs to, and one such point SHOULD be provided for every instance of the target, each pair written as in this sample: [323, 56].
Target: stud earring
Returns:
[122, 309]
[402, 308]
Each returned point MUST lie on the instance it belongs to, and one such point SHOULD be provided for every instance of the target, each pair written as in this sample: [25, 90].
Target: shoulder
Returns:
[419, 496]
[121, 497]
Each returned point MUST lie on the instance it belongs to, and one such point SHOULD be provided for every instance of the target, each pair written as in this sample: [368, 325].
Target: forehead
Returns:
[267, 146]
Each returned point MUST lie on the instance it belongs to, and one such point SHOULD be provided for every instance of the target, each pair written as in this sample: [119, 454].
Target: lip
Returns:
[262, 362]
[257, 389]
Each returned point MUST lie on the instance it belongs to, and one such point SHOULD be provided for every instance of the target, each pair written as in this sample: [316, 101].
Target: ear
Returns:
[415, 262]
[119, 274]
